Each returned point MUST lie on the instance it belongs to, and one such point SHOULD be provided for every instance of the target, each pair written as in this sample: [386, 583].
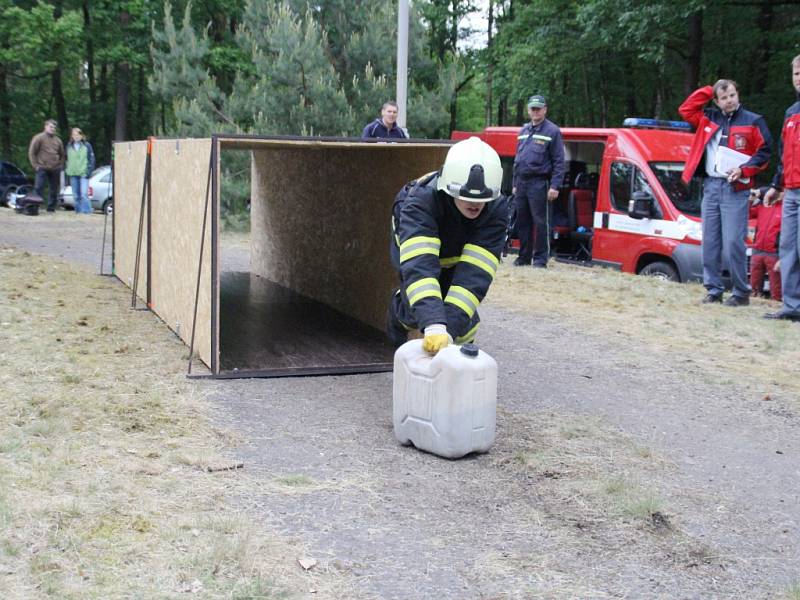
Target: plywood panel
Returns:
[320, 218]
[129, 165]
[179, 179]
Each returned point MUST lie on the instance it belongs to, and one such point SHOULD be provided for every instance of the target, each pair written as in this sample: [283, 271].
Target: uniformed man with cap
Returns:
[538, 174]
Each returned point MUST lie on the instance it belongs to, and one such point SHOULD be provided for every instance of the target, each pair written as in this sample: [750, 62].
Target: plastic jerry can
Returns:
[445, 404]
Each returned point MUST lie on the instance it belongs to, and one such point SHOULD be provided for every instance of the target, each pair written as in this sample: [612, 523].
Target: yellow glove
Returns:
[436, 338]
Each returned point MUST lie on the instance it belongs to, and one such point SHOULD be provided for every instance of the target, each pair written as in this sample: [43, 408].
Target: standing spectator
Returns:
[538, 173]
[725, 205]
[80, 164]
[46, 155]
[764, 260]
[386, 126]
[787, 177]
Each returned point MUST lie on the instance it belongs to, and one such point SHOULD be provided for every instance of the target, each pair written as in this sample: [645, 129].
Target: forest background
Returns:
[124, 70]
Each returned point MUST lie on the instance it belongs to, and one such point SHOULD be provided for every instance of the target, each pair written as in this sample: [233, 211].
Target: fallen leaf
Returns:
[767, 397]
[307, 563]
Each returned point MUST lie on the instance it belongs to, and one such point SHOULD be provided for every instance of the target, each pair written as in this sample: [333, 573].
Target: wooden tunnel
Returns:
[314, 300]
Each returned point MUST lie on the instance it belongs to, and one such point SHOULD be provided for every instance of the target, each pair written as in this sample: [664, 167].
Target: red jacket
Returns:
[788, 171]
[768, 226]
[747, 133]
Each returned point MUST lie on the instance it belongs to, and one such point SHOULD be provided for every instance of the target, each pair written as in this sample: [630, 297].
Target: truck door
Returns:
[618, 237]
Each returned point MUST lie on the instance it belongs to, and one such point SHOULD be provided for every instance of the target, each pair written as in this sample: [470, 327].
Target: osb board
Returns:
[320, 219]
[129, 164]
[179, 178]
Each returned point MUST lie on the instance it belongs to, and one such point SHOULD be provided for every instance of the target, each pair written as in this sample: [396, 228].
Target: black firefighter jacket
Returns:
[446, 261]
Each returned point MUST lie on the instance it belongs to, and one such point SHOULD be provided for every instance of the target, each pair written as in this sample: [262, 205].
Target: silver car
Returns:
[101, 191]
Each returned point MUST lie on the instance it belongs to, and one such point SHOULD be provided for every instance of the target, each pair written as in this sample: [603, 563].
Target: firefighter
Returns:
[726, 123]
[538, 174]
[787, 178]
[448, 231]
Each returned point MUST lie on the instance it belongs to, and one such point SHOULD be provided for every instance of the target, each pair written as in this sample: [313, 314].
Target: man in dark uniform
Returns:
[538, 173]
[448, 232]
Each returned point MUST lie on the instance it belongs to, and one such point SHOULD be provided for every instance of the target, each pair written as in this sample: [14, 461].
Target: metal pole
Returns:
[402, 61]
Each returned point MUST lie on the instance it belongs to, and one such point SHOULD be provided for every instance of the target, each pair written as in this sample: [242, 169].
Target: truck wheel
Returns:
[661, 270]
[108, 206]
[5, 197]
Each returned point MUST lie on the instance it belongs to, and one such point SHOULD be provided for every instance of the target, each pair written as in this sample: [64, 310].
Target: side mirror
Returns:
[641, 205]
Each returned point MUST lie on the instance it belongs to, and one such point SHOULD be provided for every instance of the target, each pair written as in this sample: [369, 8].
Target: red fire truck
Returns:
[622, 204]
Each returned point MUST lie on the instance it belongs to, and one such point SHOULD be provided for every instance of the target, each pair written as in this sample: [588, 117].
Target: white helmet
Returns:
[471, 171]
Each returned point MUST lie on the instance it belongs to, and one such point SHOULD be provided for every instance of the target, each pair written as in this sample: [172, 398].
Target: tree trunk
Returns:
[57, 88]
[587, 95]
[694, 45]
[61, 105]
[5, 114]
[123, 71]
[631, 107]
[453, 37]
[140, 104]
[103, 101]
[87, 28]
[489, 65]
[121, 112]
[519, 118]
[502, 110]
[758, 80]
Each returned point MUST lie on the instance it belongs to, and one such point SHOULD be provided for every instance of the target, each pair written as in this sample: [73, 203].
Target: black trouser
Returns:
[53, 179]
[401, 320]
[533, 211]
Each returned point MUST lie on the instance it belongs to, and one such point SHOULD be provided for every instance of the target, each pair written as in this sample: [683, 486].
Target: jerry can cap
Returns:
[469, 350]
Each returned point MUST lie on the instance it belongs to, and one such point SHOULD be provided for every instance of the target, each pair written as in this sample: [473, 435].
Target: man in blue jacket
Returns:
[386, 126]
[538, 173]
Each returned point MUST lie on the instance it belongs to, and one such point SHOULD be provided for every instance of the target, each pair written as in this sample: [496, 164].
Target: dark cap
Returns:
[537, 101]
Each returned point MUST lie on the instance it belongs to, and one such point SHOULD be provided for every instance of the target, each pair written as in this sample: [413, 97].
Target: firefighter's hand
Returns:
[552, 194]
[436, 338]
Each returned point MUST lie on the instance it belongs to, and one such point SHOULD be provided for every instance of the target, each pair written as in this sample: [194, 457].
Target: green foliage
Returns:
[599, 61]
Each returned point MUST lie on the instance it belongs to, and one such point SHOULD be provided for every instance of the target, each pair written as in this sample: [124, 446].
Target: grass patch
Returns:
[103, 486]
[663, 318]
[792, 592]
[295, 481]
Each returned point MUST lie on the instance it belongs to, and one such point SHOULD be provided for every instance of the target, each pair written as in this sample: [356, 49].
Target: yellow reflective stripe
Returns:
[423, 288]
[522, 137]
[419, 245]
[481, 258]
[469, 336]
[462, 298]
[449, 261]
[544, 138]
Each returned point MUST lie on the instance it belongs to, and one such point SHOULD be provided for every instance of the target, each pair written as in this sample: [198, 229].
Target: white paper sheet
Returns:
[727, 159]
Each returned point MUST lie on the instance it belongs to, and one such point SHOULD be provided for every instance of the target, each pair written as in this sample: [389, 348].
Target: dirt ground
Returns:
[618, 472]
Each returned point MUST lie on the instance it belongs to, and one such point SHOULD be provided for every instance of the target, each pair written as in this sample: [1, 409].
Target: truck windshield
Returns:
[685, 200]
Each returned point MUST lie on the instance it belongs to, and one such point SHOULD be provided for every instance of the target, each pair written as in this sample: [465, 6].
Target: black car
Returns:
[10, 179]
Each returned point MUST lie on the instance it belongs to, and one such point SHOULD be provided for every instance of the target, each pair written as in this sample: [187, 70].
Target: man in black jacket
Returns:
[449, 230]
[386, 126]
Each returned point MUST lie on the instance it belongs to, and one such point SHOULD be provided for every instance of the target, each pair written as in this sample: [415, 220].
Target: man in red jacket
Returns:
[725, 132]
[764, 260]
[787, 177]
